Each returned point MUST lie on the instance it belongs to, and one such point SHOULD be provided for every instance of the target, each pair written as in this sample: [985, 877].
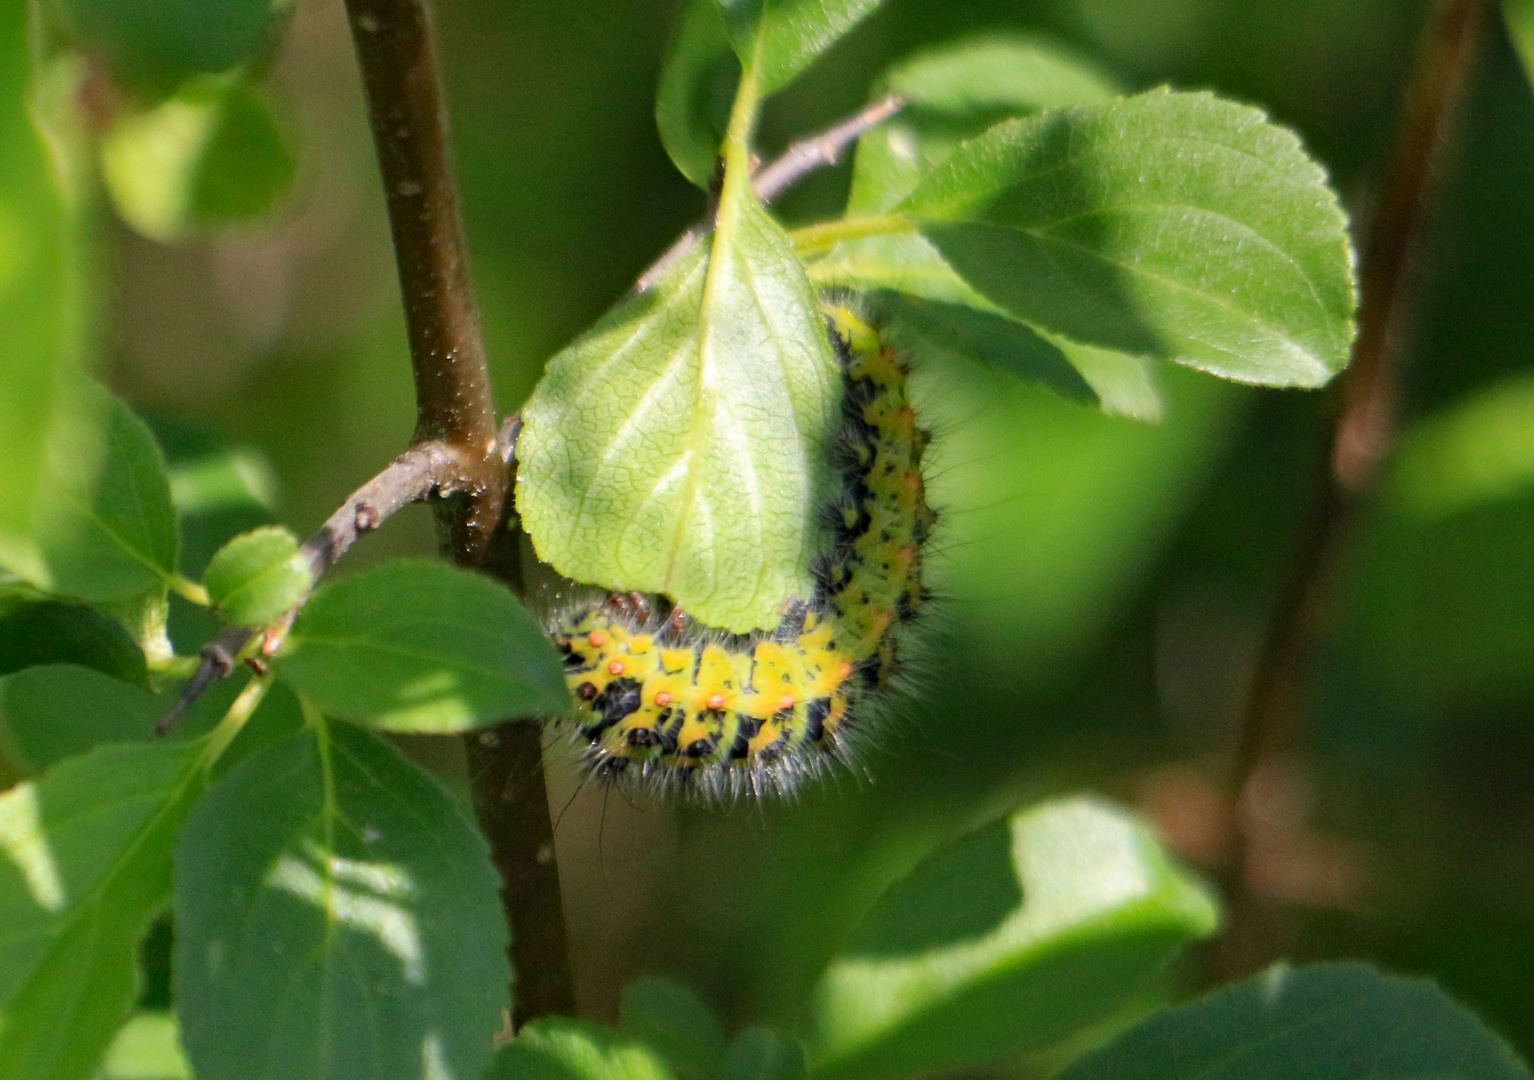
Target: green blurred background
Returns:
[1104, 582]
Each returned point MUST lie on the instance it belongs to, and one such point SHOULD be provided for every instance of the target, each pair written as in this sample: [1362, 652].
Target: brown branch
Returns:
[793, 165]
[1274, 724]
[397, 54]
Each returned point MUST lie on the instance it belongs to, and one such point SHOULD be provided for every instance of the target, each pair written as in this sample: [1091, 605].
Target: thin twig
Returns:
[1274, 722]
[426, 470]
[793, 165]
[396, 51]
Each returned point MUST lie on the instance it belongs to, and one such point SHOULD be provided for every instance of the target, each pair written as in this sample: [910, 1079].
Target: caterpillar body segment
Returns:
[663, 700]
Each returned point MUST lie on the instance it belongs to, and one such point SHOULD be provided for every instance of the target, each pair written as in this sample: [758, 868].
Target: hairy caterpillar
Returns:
[662, 698]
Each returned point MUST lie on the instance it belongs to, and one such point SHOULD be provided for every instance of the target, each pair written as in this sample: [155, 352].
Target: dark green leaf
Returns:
[959, 330]
[100, 525]
[1331, 1022]
[1007, 941]
[673, 1022]
[760, 1054]
[1171, 225]
[257, 576]
[783, 37]
[147, 1048]
[336, 916]
[209, 156]
[48, 632]
[554, 1048]
[697, 85]
[676, 447]
[422, 646]
[954, 92]
[160, 42]
[86, 863]
[55, 712]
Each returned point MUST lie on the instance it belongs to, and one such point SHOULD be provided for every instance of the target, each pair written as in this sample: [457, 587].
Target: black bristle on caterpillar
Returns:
[665, 701]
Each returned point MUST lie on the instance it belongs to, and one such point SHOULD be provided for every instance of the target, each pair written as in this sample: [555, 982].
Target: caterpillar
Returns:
[663, 699]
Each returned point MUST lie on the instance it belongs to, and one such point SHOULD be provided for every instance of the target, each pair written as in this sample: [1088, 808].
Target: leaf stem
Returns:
[817, 237]
[239, 712]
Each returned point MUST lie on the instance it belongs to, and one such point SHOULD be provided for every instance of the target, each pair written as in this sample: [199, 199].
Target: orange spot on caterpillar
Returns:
[617, 667]
[785, 702]
[845, 669]
[716, 701]
[664, 698]
[597, 638]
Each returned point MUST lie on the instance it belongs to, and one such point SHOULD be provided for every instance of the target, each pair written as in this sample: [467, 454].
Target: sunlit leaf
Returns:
[257, 576]
[422, 646]
[147, 1048]
[1006, 941]
[219, 490]
[336, 916]
[1331, 1022]
[85, 861]
[1172, 225]
[679, 447]
[954, 92]
[697, 85]
[672, 1021]
[209, 156]
[554, 1048]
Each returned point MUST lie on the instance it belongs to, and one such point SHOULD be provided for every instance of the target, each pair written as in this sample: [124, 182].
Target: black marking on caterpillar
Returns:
[663, 701]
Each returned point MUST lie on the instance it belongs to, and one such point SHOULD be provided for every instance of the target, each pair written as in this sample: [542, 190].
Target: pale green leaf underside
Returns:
[1329, 1022]
[679, 447]
[697, 82]
[1172, 225]
[1008, 940]
[556, 1048]
[85, 861]
[336, 917]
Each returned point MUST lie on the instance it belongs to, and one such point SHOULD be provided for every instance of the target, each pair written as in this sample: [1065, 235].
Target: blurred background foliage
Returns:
[1105, 582]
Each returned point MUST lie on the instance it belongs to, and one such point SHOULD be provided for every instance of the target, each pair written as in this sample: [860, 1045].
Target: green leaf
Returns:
[783, 37]
[1520, 27]
[210, 156]
[48, 632]
[673, 1022]
[336, 916]
[697, 85]
[147, 1048]
[554, 1048]
[257, 576]
[1329, 1022]
[1172, 225]
[55, 712]
[100, 525]
[954, 92]
[1010, 939]
[760, 1054]
[422, 646]
[85, 862]
[678, 447]
[159, 42]
[934, 311]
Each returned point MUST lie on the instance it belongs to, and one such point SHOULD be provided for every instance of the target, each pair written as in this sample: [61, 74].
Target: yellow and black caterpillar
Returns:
[664, 699]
